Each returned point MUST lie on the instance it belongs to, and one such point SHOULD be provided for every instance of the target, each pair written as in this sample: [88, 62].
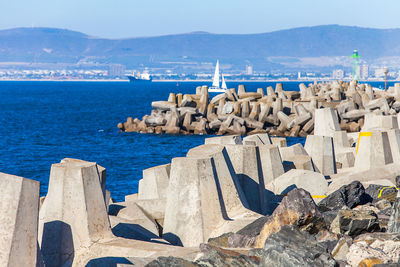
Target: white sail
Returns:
[216, 76]
[223, 86]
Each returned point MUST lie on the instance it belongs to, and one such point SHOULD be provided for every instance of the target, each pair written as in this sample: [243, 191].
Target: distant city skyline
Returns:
[133, 18]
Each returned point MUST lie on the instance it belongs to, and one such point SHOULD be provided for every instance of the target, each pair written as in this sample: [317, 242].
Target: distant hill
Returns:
[58, 45]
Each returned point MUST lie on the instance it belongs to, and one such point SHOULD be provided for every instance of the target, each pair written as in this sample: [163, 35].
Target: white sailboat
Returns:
[215, 88]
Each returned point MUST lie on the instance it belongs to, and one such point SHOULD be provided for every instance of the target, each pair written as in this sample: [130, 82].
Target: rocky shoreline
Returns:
[230, 202]
[277, 112]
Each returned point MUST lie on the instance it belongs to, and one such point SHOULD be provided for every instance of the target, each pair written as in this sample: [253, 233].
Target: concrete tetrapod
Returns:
[326, 122]
[19, 208]
[321, 150]
[245, 160]
[154, 183]
[204, 198]
[313, 182]
[259, 139]
[73, 223]
[373, 150]
[221, 140]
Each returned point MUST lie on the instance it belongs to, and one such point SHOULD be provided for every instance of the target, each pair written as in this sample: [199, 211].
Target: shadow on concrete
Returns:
[57, 244]
[173, 239]
[136, 232]
[107, 262]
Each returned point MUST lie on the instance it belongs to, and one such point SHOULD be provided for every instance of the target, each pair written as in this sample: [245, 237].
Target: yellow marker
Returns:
[315, 196]
[386, 187]
[359, 137]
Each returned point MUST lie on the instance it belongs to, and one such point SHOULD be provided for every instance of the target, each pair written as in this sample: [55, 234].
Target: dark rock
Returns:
[355, 222]
[243, 238]
[379, 192]
[171, 262]
[241, 241]
[215, 257]
[220, 241]
[394, 221]
[254, 228]
[327, 239]
[292, 247]
[329, 216]
[350, 195]
[297, 208]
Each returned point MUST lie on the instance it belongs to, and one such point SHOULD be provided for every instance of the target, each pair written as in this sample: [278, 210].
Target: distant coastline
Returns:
[171, 80]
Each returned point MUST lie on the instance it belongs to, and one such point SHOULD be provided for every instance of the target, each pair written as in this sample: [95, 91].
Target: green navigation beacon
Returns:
[355, 75]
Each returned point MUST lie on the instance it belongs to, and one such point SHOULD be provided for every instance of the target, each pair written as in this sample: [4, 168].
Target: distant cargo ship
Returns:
[140, 78]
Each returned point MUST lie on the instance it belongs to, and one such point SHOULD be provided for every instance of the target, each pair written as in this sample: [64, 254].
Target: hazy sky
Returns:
[131, 18]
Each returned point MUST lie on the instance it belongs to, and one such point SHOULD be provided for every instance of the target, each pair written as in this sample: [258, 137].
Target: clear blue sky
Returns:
[131, 18]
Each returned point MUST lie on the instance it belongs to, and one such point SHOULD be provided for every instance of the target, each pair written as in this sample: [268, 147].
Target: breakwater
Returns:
[274, 111]
[250, 201]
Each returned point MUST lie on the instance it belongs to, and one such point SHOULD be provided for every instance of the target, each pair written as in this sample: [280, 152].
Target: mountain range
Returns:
[51, 45]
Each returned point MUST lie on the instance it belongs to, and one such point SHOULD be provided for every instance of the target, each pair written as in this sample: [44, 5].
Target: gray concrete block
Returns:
[155, 182]
[373, 150]
[313, 182]
[326, 122]
[320, 149]
[19, 210]
[259, 139]
[73, 214]
[222, 140]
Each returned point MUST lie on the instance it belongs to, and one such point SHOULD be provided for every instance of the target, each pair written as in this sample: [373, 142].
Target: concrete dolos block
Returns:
[373, 150]
[154, 183]
[255, 166]
[258, 139]
[222, 140]
[204, 198]
[326, 122]
[19, 208]
[193, 206]
[73, 214]
[73, 222]
[313, 182]
[321, 150]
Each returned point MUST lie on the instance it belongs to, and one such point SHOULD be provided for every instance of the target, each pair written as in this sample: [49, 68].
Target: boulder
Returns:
[350, 195]
[394, 221]
[382, 246]
[215, 256]
[379, 192]
[354, 222]
[297, 208]
[292, 248]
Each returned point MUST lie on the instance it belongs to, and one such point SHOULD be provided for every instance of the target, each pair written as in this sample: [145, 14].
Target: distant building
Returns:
[249, 70]
[116, 70]
[380, 73]
[338, 74]
[364, 70]
[299, 75]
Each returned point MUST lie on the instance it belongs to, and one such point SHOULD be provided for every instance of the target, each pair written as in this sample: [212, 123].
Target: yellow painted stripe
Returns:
[386, 187]
[359, 137]
[314, 196]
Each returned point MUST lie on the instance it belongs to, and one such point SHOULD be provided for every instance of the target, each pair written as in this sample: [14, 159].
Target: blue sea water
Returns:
[44, 122]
